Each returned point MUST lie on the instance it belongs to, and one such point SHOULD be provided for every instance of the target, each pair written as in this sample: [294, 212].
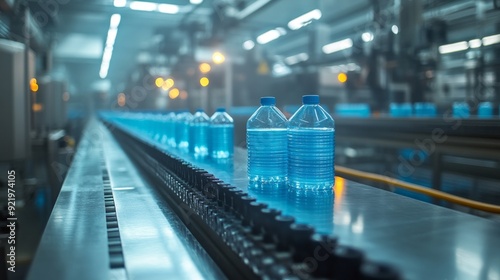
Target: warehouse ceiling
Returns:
[78, 30]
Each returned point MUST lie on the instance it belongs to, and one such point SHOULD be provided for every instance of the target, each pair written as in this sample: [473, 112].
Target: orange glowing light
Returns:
[342, 77]
[204, 81]
[174, 93]
[37, 107]
[33, 81]
[205, 68]
[339, 189]
[34, 87]
[121, 99]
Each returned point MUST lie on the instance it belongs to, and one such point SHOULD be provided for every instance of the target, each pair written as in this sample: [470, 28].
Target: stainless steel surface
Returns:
[14, 103]
[153, 245]
[156, 245]
[51, 96]
[74, 244]
[424, 241]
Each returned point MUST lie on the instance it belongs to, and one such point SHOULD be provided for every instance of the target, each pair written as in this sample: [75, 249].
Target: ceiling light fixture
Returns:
[248, 45]
[337, 46]
[455, 47]
[120, 3]
[490, 40]
[304, 19]
[143, 6]
[395, 29]
[475, 43]
[168, 9]
[110, 41]
[294, 59]
[114, 22]
[367, 37]
[195, 2]
[270, 35]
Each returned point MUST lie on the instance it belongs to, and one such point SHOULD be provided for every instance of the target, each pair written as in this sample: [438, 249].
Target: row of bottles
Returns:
[197, 134]
[300, 151]
[203, 136]
[425, 109]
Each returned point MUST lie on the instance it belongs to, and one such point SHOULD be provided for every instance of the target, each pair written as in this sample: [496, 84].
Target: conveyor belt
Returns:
[421, 240]
[80, 241]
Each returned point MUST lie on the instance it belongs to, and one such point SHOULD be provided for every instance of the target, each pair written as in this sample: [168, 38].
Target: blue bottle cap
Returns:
[310, 99]
[267, 101]
[221, 109]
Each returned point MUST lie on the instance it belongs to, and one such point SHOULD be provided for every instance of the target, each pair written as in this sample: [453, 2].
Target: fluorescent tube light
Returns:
[268, 36]
[455, 47]
[304, 19]
[108, 52]
[195, 2]
[294, 59]
[475, 43]
[110, 40]
[168, 8]
[490, 40]
[115, 21]
[337, 46]
[120, 3]
[143, 6]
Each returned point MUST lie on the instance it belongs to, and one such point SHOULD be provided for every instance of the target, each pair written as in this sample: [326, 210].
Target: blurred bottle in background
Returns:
[461, 110]
[267, 143]
[485, 110]
[221, 144]
[199, 126]
[182, 130]
[311, 140]
[170, 129]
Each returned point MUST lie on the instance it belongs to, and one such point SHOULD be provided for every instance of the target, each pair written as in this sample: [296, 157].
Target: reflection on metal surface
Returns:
[153, 248]
[305, 204]
[340, 184]
[156, 245]
[418, 238]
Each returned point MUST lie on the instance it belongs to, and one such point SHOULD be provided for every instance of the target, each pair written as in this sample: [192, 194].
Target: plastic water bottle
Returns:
[182, 130]
[485, 110]
[461, 110]
[267, 143]
[221, 144]
[170, 129]
[198, 143]
[311, 146]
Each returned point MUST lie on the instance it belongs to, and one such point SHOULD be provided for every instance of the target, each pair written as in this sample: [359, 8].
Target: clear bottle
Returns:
[170, 129]
[182, 130]
[311, 146]
[221, 142]
[198, 143]
[267, 143]
[485, 110]
[461, 110]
